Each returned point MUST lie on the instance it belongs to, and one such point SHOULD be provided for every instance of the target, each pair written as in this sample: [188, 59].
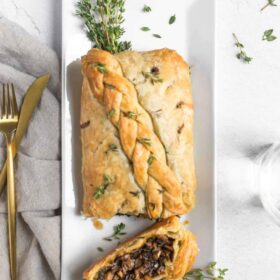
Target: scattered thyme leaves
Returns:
[145, 141]
[172, 19]
[109, 86]
[211, 272]
[131, 115]
[153, 77]
[102, 188]
[136, 194]
[268, 36]
[269, 3]
[112, 148]
[100, 249]
[101, 67]
[157, 36]
[146, 9]
[103, 21]
[241, 55]
[118, 232]
[145, 28]
[111, 113]
[151, 159]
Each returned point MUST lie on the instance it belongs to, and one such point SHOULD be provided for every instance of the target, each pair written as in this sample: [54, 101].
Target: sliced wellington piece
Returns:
[136, 134]
[164, 251]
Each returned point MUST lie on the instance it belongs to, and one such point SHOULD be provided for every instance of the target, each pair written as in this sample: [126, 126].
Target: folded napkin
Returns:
[37, 165]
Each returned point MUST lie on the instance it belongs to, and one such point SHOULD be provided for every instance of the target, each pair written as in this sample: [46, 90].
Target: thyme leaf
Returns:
[172, 19]
[146, 9]
[157, 36]
[268, 36]
[153, 77]
[145, 141]
[145, 28]
[101, 67]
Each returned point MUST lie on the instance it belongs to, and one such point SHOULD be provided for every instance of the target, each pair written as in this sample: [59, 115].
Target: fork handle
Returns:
[11, 200]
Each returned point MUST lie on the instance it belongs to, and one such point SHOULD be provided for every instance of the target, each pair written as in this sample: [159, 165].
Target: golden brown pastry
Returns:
[136, 133]
[164, 251]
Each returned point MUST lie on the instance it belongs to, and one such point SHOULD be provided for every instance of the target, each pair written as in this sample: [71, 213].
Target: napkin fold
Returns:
[37, 166]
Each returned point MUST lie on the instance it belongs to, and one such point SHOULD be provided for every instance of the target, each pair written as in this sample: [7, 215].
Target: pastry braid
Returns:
[141, 145]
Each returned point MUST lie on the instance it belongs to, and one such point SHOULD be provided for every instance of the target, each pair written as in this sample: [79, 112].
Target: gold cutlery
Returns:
[8, 126]
[29, 104]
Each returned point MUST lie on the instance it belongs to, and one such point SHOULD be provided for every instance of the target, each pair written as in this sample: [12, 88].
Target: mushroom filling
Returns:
[149, 260]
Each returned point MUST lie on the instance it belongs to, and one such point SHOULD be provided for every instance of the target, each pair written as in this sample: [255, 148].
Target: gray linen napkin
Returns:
[22, 59]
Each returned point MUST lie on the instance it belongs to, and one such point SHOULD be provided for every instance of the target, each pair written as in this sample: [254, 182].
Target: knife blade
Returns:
[30, 102]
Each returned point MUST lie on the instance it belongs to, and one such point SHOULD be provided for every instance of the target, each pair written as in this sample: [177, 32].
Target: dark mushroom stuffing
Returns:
[149, 261]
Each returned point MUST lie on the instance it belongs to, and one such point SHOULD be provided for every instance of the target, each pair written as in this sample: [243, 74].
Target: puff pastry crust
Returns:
[136, 134]
[166, 246]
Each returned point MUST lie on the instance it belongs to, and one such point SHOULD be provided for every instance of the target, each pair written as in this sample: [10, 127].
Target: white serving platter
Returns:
[192, 35]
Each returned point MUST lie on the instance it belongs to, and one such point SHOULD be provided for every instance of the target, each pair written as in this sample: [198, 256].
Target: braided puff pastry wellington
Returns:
[164, 251]
[136, 133]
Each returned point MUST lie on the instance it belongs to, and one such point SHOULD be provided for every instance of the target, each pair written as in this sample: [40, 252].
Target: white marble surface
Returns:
[247, 114]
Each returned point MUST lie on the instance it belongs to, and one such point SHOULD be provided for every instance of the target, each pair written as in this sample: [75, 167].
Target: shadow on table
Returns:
[73, 88]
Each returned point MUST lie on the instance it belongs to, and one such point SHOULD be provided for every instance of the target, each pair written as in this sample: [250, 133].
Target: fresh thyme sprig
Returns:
[269, 3]
[268, 36]
[211, 272]
[103, 22]
[241, 55]
[102, 188]
[146, 9]
[118, 232]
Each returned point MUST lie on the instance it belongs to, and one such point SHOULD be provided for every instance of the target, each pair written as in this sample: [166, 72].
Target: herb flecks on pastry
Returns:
[165, 251]
[141, 102]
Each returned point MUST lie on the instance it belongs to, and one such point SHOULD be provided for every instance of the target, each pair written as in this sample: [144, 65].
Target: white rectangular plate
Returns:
[192, 35]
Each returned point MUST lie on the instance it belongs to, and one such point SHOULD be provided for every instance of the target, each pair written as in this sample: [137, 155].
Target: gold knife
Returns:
[30, 102]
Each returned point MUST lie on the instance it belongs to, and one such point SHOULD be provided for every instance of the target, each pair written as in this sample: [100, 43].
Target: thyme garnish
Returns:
[267, 35]
[111, 113]
[102, 188]
[172, 19]
[157, 36]
[241, 55]
[109, 86]
[118, 232]
[153, 77]
[130, 115]
[101, 67]
[211, 272]
[103, 21]
[269, 3]
[146, 9]
[145, 28]
[137, 193]
[145, 141]
[151, 159]
[112, 147]
[100, 249]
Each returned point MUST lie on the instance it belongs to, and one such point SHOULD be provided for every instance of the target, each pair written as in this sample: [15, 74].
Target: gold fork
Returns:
[8, 125]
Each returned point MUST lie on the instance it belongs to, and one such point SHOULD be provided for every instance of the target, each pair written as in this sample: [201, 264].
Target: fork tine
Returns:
[3, 105]
[8, 104]
[14, 102]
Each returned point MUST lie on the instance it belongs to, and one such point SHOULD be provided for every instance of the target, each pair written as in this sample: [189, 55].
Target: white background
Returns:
[247, 118]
